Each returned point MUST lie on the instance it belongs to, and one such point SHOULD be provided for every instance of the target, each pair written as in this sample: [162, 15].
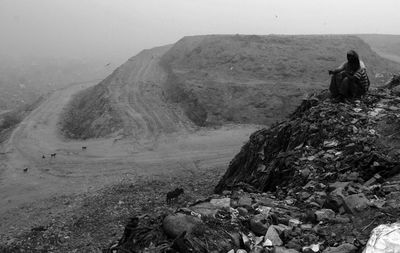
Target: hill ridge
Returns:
[212, 80]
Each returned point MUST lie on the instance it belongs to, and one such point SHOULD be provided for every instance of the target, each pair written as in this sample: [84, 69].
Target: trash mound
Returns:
[319, 182]
[322, 141]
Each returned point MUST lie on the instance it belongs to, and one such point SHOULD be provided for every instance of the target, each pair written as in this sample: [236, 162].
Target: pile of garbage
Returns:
[318, 182]
[322, 141]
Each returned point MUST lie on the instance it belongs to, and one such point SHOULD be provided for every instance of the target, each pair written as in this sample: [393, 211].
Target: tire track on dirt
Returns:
[156, 140]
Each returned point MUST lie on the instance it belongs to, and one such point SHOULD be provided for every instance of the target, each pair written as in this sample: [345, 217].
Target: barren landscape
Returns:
[155, 150]
[169, 114]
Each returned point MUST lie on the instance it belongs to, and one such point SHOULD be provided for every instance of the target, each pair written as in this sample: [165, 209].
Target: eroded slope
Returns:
[211, 80]
[129, 102]
[255, 79]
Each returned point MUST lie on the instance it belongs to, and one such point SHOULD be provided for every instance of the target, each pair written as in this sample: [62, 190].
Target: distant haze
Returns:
[118, 29]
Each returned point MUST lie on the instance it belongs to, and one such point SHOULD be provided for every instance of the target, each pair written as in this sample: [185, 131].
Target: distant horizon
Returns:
[117, 29]
[193, 35]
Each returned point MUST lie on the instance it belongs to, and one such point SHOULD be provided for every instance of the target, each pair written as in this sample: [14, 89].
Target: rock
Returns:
[355, 203]
[257, 249]
[176, 224]
[265, 210]
[259, 224]
[283, 250]
[306, 227]
[325, 214]
[374, 180]
[290, 201]
[226, 192]
[337, 185]
[294, 244]
[341, 219]
[319, 230]
[310, 185]
[305, 172]
[245, 201]
[241, 251]
[273, 236]
[265, 201]
[236, 238]
[221, 203]
[304, 195]
[258, 239]
[353, 176]
[344, 248]
[294, 223]
[242, 211]
[309, 216]
[281, 228]
[231, 251]
[205, 209]
[334, 200]
[267, 243]
[320, 198]
[246, 240]
[313, 248]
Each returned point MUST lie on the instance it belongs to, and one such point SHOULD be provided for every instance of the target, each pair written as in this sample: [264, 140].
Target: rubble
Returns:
[344, 248]
[318, 182]
[355, 203]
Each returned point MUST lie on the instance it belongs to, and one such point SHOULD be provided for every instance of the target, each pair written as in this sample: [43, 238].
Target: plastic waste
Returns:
[384, 239]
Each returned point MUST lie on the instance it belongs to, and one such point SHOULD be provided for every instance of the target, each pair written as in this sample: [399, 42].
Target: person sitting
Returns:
[349, 80]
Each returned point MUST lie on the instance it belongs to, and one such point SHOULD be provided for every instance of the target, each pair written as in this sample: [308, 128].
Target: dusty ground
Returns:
[52, 187]
[89, 222]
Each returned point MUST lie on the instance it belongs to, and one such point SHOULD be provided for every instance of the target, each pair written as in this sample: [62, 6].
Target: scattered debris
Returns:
[318, 182]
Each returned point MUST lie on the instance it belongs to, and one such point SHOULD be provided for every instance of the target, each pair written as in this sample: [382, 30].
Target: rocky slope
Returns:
[318, 182]
[214, 80]
[319, 139]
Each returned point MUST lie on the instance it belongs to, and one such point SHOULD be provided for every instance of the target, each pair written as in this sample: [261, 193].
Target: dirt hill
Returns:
[386, 45]
[255, 79]
[213, 80]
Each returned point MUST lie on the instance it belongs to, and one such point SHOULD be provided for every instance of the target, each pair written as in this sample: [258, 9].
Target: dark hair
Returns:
[353, 60]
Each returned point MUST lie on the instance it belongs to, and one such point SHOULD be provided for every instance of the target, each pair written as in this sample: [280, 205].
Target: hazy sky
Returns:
[118, 29]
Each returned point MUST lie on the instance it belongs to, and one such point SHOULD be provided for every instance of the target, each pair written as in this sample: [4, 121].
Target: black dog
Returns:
[174, 194]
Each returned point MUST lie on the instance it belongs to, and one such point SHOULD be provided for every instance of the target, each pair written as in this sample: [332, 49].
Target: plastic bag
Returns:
[384, 239]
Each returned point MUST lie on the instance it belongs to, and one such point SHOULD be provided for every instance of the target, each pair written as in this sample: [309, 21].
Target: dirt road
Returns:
[157, 140]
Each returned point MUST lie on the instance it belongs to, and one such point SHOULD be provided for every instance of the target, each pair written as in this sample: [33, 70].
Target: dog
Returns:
[26, 170]
[174, 194]
[43, 157]
[53, 155]
[84, 148]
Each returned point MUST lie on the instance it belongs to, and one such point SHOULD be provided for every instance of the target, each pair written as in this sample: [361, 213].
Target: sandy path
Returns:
[158, 140]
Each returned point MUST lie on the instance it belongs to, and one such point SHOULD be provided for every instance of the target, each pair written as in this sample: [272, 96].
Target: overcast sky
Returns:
[119, 29]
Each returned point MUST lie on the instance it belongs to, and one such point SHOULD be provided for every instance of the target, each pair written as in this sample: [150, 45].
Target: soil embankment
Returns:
[27, 177]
